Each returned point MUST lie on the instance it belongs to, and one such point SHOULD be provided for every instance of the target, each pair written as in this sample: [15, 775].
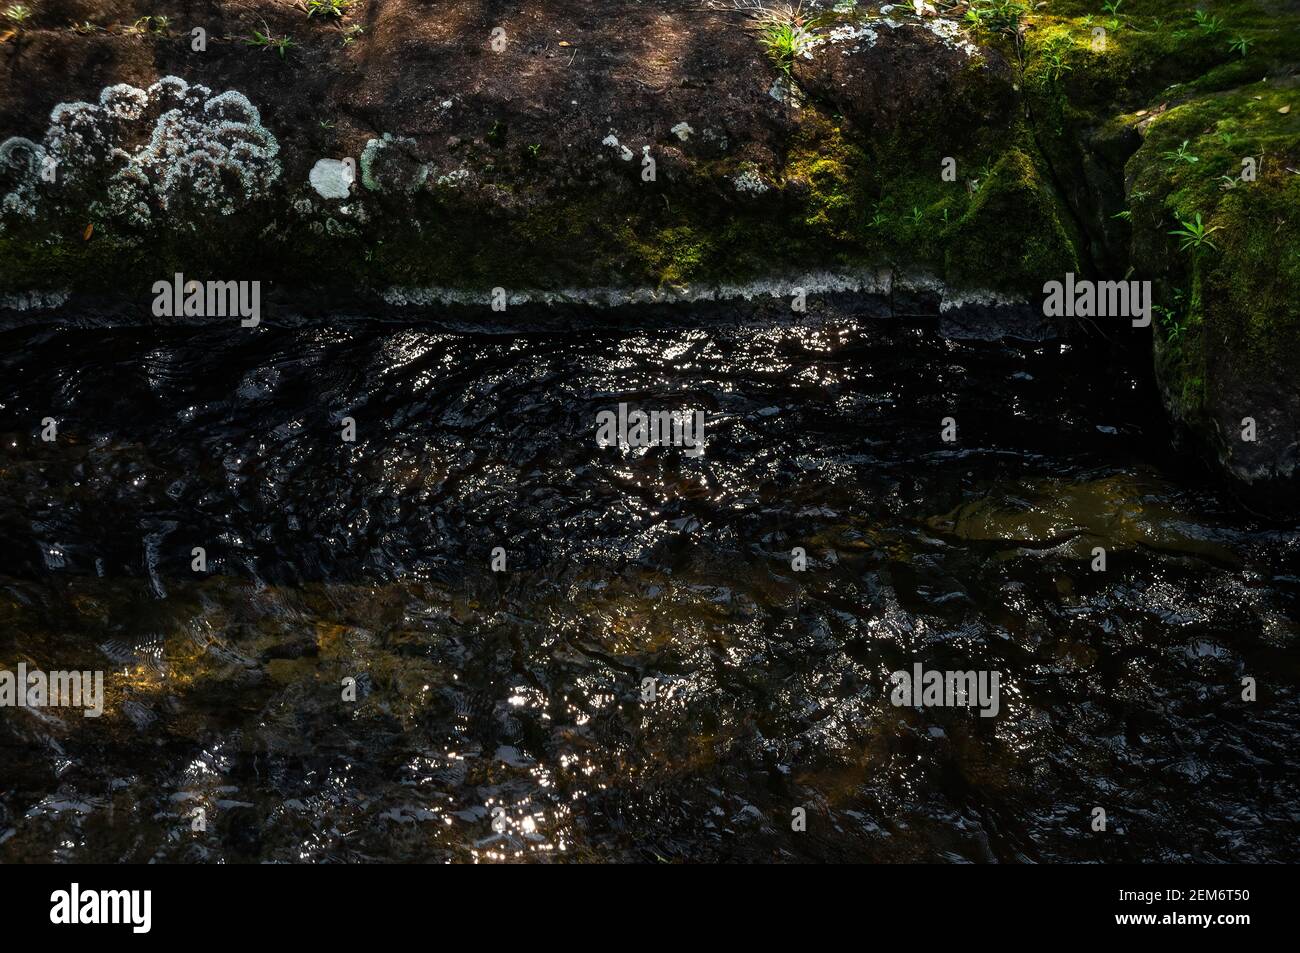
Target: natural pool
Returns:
[502, 715]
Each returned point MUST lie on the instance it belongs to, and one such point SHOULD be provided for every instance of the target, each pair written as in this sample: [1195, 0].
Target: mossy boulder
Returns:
[1215, 198]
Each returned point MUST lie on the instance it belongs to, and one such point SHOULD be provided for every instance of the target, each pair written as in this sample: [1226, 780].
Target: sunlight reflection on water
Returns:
[504, 716]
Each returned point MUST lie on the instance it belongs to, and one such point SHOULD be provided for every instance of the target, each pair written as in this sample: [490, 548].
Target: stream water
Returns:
[504, 715]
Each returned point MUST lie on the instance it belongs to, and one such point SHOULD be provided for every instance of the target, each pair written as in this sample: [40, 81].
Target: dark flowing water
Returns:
[517, 696]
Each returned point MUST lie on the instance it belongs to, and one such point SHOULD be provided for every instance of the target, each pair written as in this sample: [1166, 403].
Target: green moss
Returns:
[914, 208]
[675, 255]
[1073, 74]
[997, 223]
[99, 264]
[1238, 298]
[1219, 131]
[1252, 288]
[829, 176]
[1013, 235]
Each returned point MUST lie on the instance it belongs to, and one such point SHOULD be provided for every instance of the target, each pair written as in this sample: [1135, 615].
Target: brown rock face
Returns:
[564, 77]
[912, 81]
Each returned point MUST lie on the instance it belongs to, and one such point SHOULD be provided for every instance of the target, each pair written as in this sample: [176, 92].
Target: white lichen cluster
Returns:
[611, 142]
[331, 178]
[863, 35]
[454, 178]
[750, 182]
[388, 164]
[172, 153]
[21, 159]
[850, 33]
[950, 32]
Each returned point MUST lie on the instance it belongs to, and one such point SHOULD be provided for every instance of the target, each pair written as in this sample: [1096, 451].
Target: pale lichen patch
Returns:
[172, 151]
[331, 178]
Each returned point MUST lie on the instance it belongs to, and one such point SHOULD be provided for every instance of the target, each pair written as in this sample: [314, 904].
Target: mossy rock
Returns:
[1015, 232]
[1230, 315]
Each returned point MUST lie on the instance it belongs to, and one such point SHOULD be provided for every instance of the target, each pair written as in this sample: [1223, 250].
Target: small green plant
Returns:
[918, 215]
[1054, 64]
[996, 16]
[18, 14]
[265, 40]
[151, 24]
[982, 178]
[1209, 25]
[1167, 316]
[1124, 216]
[878, 221]
[1194, 233]
[351, 33]
[1240, 45]
[85, 28]
[534, 150]
[1181, 154]
[784, 35]
[1170, 324]
[328, 9]
[1112, 7]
